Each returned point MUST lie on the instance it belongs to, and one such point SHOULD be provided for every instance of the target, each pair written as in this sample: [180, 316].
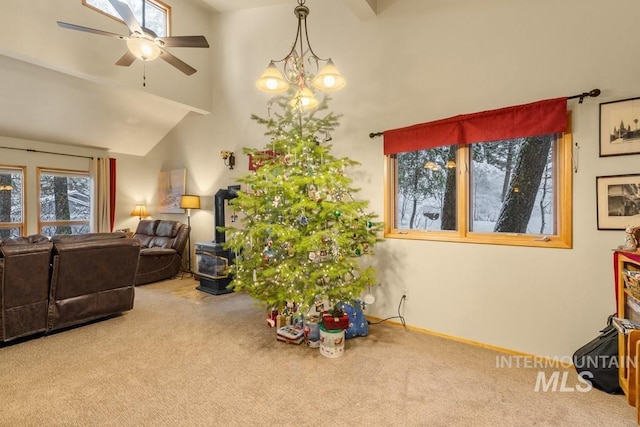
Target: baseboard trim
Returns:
[548, 362]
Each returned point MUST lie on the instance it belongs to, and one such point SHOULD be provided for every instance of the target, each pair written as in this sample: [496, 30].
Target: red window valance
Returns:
[538, 118]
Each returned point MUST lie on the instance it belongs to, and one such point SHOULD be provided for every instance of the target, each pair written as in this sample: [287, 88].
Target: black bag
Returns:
[597, 361]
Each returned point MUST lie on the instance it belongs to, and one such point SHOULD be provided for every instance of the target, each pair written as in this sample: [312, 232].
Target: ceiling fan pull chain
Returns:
[144, 75]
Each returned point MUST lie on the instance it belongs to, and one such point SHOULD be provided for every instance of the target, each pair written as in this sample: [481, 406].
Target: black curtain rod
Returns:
[47, 152]
[592, 93]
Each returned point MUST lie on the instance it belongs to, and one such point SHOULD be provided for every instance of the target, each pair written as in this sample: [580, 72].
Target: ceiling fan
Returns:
[142, 43]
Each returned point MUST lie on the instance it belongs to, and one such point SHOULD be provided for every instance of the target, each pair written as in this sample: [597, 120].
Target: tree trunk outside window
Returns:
[5, 204]
[527, 175]
[449, 203]
[60, 192]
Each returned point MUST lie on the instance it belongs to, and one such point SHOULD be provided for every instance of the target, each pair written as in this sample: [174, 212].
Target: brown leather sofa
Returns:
[92, 276]
[47, 285]
[24, 280]
[162, 248]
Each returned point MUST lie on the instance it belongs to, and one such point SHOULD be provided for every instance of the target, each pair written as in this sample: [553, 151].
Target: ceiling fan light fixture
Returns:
[143, 49]
[143, 43]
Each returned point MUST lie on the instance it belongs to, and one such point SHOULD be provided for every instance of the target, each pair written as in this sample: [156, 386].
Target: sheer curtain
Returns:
[103, 174]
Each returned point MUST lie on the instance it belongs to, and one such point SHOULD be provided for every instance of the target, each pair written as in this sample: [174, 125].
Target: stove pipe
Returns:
[231, 192]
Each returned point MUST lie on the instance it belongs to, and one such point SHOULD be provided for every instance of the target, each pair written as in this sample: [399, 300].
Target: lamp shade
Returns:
[143, 49]
[329, 78]
[140, 211]
[188, 201]
[272, 81]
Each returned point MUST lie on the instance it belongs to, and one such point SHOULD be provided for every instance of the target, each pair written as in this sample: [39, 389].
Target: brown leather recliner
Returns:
[24, 281]
[163, 243]
[92, 277]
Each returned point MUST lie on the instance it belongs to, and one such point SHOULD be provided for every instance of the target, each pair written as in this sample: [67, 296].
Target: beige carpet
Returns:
[182, 357]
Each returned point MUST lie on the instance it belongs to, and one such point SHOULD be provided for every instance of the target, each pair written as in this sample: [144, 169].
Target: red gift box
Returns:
[331, 322]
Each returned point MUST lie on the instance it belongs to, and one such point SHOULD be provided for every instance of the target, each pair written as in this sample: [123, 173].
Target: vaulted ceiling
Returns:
[80, 110]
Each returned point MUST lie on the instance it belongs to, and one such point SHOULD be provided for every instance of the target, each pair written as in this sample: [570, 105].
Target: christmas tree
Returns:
[303, 234]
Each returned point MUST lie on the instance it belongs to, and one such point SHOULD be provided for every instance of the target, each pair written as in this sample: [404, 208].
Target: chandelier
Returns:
[302, 69]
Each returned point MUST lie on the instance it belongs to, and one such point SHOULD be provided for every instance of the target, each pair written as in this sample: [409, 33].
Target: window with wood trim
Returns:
[511, 191]
[151, 14]
[12, 207]
[65, 202]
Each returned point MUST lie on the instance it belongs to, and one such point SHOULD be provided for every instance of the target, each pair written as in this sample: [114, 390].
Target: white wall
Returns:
[421, 60]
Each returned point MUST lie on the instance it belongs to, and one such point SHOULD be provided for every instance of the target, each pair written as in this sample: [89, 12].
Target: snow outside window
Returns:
[65, 202]
[512, 192]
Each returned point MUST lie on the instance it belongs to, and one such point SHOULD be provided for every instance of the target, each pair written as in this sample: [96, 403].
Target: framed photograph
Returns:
[620, 127]
[171, 185]
[618, 200]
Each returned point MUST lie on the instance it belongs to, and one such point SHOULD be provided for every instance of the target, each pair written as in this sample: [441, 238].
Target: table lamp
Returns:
[140, 211]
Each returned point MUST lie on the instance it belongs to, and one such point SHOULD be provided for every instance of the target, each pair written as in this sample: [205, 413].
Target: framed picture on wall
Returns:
[618, 200]
[620, 127]
[171, 186]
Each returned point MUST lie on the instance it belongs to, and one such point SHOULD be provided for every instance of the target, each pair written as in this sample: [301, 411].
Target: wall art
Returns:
[620, 127]
[171, 185]
[618, 200]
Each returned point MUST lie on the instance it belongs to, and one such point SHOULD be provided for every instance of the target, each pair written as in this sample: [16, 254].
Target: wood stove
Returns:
[212, 260]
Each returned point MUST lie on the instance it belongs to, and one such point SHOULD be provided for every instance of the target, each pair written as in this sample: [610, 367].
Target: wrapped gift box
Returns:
[290, 334]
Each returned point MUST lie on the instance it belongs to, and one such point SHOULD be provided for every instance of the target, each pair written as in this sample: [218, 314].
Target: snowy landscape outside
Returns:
[424, 180]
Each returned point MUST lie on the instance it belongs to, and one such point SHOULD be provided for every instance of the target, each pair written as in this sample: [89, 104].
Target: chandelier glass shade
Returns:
[302, 69]
[329, 78]
[304, 98]
[272, 81]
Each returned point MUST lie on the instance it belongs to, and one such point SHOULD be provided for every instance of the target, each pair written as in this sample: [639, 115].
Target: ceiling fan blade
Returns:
[90, 30]
[126, 59]
[127, 16]
[178, 63]
[184, 41]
